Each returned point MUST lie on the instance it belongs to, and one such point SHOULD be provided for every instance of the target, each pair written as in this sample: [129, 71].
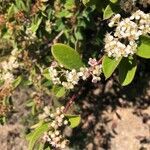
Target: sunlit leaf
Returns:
[36, 134]
[74, 120]
[59, 91]
[127, 69]
[144, 47]
[109, 65]
[67, 56]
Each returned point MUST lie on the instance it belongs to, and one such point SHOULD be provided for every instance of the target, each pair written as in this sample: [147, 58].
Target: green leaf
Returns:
[36, 134]
[74, 120]
[85, 2]
[1, 82]
[59, 91]
[46, 74]
[47, 148]
[64, 13]
[114, 1]
[20, 5]
[127, 69]
[30, 103]
[36, 23]
[98, 4]
[66, 56]
[108, 12]
[17, 81]
[41, 146]
[47, 83]
[11, 11]
[70, 4]
[109, 65]
[144, 47]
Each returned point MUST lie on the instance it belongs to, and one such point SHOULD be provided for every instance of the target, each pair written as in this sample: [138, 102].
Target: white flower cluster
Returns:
[30, 36]
[7, 66]
[124, 40]
[57, 122]
[69, 79]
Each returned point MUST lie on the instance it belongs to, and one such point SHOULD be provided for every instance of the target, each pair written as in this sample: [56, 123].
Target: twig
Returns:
[56, 38]
[74, 96]
[70, 102]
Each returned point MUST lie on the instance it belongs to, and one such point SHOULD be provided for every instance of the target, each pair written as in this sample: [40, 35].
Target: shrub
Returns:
[98, 38]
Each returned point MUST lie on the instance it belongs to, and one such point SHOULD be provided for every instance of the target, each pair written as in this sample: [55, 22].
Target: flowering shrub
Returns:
[32, 55]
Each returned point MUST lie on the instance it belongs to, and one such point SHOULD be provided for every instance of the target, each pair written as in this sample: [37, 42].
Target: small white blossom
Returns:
[72, 77]
[124, 40]
[84, 73]
[8, 77]
[97, 70]
[92, 62]
[47, 110]
[65, 122]
[95, 79]
[68, 79]
[127, 29]
[68, 85]
[55, 136]
[114, 21]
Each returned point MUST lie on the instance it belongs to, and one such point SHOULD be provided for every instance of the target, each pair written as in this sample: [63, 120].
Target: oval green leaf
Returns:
[46, 74]
[59, 91]
[109, 65]
[144, 47]
[108, 12]
[67, 56]
[17, 82]
[114, 1]
[74, 120]
[36, 134]
[127, 69]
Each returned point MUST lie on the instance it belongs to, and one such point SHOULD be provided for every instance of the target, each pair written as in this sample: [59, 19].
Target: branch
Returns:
[56, 38]
[74, 96]
[70, 102]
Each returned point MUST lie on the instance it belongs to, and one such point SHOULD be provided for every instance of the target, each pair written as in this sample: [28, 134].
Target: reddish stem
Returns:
[74, 96]
[70, 102]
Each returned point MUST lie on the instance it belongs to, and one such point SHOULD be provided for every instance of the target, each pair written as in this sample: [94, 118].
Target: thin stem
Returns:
[74, 96]
[56, 38]
[70, 102]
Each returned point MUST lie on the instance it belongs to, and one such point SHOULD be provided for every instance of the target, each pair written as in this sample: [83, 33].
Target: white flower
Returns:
[84, 73]
[63, 144]
[53, 72]
[53, 124]
[46, 110]
[68, 85]
[14, 52]
[92, 62]
[42, 116]
[65, 122]
[8, 77]
[54, 64]
[114, 20]
[97, 70]
[95, 79]
[127, 29]
[72, 77]
[57, 132]
[124, 40]
[55, 136]
[10, 64]
[56, 80]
